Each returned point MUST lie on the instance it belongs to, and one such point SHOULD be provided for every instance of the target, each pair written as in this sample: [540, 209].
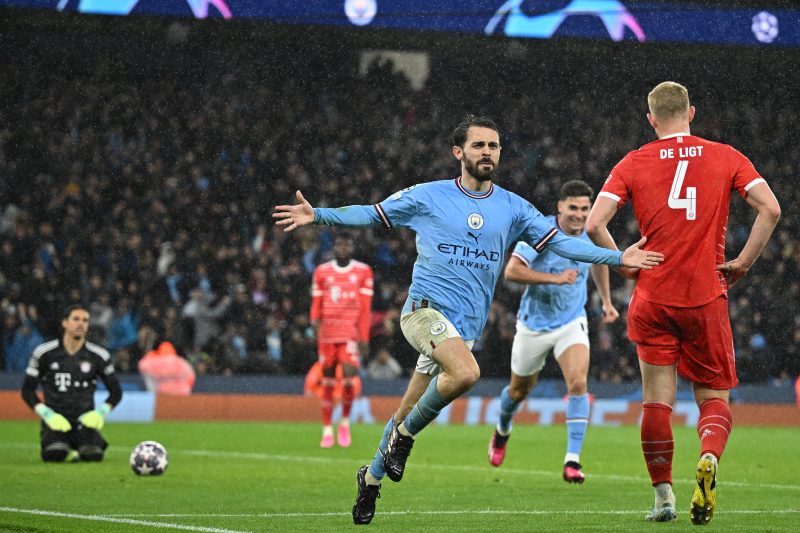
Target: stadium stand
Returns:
[138, 175]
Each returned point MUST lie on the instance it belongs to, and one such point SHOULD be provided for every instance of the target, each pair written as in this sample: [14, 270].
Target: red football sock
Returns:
[657, 443]
[714, 426]
[348, 395]
[328, 385]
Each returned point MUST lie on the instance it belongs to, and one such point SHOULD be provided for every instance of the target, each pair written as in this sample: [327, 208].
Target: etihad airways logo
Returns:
[469, 257]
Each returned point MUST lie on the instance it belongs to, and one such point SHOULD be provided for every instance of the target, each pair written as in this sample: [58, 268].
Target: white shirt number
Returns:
[675, 201]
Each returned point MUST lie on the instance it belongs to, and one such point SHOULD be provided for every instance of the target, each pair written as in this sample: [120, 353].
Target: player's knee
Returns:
[518, 394]
[467, 376]
[90, 453]
[577, 386]
[54, 455]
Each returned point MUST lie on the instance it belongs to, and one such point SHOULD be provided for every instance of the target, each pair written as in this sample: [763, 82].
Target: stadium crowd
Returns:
[148, 196]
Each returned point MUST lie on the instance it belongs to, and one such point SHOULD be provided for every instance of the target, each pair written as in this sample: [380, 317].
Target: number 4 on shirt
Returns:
[675, 201]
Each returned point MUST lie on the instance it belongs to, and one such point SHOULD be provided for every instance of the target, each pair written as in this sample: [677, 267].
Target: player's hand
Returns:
[95, 419]
[635, 257]
[54, 421]
[568, 277]
[610, 313]
[294, 216]
[733, 270]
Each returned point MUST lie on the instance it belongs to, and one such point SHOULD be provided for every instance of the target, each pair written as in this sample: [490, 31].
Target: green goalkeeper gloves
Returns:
[54, 421]
[95, 419]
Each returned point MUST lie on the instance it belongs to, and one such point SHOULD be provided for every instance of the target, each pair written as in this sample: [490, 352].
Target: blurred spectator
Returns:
[165, 372]
[121, 328]
[142, 183]
[19, 340]
[204, 316]
[384, 366]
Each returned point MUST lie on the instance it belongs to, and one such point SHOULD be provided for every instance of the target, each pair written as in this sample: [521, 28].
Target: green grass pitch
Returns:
[274, 477]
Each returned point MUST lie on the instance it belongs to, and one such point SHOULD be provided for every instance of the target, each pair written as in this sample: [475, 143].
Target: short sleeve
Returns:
[400, 208]
[745, 176]
[617, 186]
[525, 253]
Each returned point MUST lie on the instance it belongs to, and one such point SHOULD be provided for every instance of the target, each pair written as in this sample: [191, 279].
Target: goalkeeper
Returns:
[67, 371]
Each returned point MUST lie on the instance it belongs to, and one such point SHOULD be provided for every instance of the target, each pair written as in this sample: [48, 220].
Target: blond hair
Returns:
[668, 100]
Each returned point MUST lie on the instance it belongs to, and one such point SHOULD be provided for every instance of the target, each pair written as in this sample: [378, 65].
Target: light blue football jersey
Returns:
[462, 237]
[547, 306]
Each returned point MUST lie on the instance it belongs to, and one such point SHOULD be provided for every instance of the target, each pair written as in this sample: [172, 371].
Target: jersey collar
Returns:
[472, 194]
[675, 135]
[343, 269]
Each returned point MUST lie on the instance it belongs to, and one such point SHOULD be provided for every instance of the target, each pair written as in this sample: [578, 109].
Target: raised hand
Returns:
[635, 257]
[294, 216]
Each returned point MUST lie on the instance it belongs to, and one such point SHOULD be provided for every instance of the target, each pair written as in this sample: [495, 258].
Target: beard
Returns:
[479, 173]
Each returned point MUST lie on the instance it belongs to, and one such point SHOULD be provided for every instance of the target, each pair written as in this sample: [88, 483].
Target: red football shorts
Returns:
[331, 353]
[698, 339]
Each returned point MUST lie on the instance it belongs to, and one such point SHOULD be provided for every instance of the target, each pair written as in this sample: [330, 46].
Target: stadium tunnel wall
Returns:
[280, 399]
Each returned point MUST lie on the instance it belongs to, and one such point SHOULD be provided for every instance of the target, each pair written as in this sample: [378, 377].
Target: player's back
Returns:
[680, 187]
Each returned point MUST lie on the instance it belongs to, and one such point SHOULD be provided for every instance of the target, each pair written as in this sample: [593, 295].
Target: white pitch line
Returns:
[112, 519]
[462, 468]
[435, 466]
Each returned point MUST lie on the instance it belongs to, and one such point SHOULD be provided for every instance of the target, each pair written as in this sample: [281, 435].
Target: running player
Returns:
[552, 318]
[463, 226]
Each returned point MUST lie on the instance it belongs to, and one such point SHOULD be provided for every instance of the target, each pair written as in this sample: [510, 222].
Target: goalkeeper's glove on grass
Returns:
[95, 419]
[54, 421]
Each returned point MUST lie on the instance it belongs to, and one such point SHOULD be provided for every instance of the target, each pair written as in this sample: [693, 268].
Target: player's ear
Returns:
[458, 153]
[652, 120]
[692, 111]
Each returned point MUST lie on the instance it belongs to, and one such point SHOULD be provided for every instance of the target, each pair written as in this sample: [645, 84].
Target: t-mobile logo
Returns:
[62, 381]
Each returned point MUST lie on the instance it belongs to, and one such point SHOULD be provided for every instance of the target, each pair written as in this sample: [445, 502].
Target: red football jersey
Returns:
[681, 187]
[341, 298]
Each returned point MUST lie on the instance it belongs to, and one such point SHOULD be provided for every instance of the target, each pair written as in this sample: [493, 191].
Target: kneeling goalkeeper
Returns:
[67, 370]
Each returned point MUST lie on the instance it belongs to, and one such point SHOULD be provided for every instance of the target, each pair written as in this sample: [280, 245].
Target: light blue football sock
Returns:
[577, 420]
[427, 408]
[376, 467]
[508, 408]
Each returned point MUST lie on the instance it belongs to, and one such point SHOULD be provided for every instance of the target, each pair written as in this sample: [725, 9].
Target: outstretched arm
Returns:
[302, 214]
[763, 202]
[601, 214]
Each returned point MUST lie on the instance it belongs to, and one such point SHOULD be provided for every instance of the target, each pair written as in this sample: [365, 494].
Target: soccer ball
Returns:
[149, 458]
[765, 27]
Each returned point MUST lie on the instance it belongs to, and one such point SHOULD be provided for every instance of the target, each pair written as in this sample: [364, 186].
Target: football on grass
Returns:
[149, 458]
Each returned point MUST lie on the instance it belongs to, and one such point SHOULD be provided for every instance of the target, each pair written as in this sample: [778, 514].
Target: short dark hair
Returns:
[575, 188]
[68, 311]
[343, 235]
[460, 133]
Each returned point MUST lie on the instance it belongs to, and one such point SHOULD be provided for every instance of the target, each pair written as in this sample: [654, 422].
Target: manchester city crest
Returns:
[437, 328]
[475, 221]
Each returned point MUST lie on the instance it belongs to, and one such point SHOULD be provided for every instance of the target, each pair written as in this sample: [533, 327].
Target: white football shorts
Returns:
[531, 347]
[425, 328]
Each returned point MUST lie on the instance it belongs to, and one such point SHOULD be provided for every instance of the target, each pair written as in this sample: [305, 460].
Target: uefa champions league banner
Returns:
[541, 19]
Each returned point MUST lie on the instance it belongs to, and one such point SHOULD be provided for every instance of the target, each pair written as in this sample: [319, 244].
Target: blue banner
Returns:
[542, 19]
